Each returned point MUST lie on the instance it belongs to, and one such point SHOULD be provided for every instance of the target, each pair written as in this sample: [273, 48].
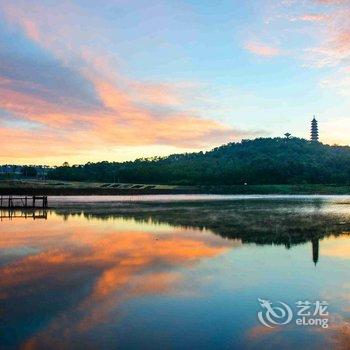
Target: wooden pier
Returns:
[23, 202]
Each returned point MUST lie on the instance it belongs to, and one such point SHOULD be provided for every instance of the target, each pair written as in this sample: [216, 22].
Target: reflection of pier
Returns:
[24, 214]
[23, 202]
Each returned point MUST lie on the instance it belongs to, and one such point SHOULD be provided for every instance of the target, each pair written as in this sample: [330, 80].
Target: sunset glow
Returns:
[117, 80]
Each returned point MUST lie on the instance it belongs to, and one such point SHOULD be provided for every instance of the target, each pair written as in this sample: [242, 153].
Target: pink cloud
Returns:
[334, 46]
[261, 49]
[313, 18]
[319, 36]
[333, 2]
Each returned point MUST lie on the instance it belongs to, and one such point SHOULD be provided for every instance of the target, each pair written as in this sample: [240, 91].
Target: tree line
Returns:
[259, 161]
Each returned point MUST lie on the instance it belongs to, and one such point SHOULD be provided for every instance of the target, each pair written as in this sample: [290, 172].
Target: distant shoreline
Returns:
[51, 188]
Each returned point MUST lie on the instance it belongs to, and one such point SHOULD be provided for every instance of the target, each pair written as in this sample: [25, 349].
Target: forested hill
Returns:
[259, 161]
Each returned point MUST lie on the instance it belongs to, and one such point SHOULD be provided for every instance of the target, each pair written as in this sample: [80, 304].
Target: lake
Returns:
[177, 272]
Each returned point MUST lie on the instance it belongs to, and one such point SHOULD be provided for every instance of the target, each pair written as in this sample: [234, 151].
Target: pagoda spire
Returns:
[314, 130]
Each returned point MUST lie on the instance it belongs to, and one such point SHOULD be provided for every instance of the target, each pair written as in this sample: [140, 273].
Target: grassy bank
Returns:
[279, 189]
[66, 188]
[42, 187]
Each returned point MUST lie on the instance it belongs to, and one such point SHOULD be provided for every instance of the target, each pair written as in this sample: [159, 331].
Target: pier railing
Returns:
[23, 202]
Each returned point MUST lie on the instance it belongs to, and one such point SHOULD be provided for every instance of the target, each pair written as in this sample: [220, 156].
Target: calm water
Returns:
[99, 273]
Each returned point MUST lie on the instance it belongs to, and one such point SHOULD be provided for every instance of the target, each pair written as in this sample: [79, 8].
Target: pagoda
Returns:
[314, 130]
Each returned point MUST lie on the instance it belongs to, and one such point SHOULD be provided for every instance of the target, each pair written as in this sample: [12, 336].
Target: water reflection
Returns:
[35, 214]
[85, 271]
[261, 223]
[134, 275]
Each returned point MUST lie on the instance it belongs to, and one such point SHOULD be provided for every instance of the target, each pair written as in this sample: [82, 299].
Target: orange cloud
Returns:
[87, 108]
[119, 122]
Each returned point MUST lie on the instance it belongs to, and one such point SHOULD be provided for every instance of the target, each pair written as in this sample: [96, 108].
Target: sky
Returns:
[116, 80]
